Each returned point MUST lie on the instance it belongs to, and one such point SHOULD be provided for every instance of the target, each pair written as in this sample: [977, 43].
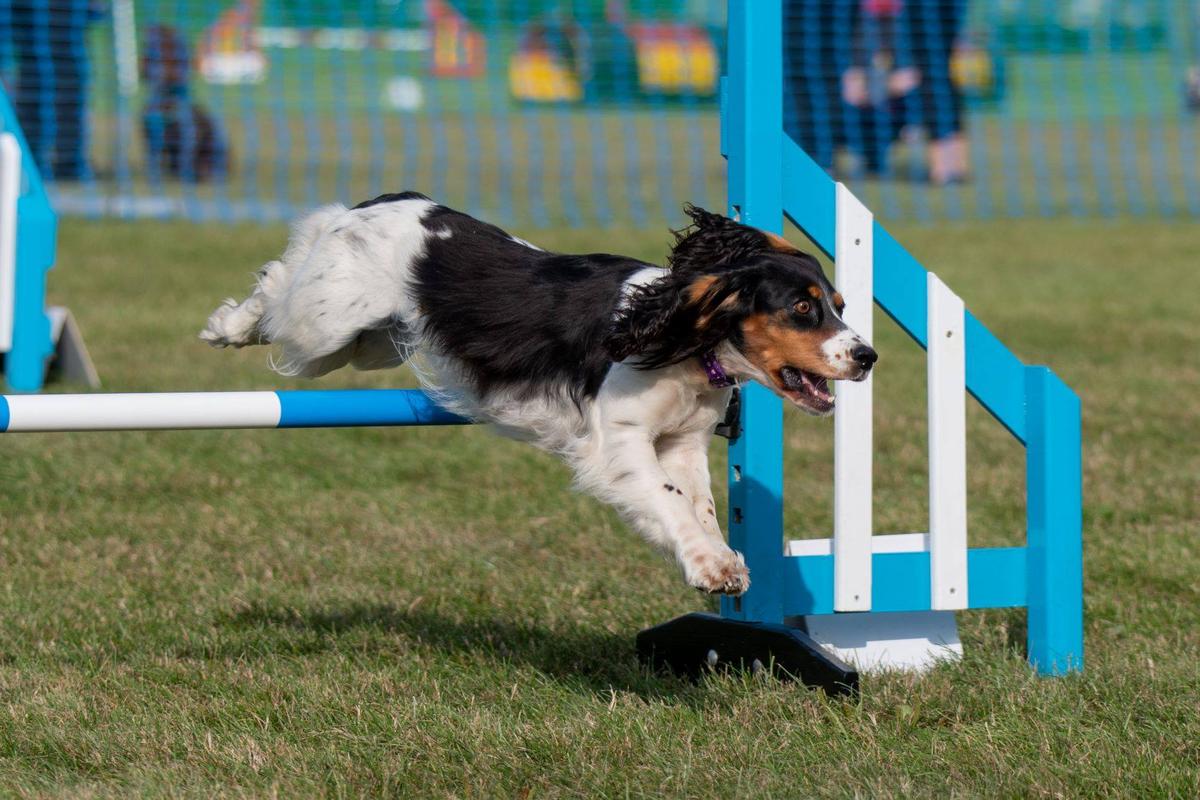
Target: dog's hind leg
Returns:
[235, 324]
[381, 348]
[376, 348]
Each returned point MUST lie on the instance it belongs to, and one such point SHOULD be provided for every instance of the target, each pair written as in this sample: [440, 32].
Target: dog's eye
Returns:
[802, 307]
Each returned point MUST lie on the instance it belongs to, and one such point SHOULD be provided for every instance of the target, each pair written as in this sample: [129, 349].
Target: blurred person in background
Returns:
[877, 85]
[52, 80]
[857, 72]
[818, 43]
[927, 32]
[183, 140]
[1191, 44]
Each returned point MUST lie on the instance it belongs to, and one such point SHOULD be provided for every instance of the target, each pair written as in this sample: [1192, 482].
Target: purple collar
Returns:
[717, 378]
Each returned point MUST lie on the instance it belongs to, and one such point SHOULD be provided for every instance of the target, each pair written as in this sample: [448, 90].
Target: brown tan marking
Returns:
[700, 288]
[777, 242]
[772, 344]
[815, 292]
[838, 302]
[699, 294]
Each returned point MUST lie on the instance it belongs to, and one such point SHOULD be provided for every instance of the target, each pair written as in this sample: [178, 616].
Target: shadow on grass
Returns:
[590, 660]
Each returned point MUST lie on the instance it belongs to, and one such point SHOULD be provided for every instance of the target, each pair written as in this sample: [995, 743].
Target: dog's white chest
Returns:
[663, 401]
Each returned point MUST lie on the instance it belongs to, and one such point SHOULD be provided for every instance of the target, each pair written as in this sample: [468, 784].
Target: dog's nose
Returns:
[864, 356]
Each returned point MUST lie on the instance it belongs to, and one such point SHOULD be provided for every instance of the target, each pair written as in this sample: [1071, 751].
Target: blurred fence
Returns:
[600, 112]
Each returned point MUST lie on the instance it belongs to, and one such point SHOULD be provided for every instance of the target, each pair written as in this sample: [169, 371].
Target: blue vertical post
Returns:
[752, 121]
[32, 346]
[25, 363]
[1054, 509]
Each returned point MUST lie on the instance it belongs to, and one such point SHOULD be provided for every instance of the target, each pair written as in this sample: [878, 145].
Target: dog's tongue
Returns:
[807, 388]
[816, 386]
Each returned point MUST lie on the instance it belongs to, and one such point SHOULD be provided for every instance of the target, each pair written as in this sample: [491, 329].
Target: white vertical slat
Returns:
[946, 361]
[10, 189]
[852, 493]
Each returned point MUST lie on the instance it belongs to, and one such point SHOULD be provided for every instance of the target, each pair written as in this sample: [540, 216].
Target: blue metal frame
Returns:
[25, 363]
[769, 175]
[750, 131]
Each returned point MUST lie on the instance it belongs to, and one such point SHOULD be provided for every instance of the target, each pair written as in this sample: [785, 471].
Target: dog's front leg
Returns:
[633, 480]
[684, 456]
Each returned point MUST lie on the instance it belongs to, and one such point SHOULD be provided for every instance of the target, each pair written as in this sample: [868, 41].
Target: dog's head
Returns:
[765, 307]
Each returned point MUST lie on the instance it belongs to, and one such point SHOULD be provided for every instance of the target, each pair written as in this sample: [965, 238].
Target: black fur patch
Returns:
[519, 317]
[515, 315]
[390, 198]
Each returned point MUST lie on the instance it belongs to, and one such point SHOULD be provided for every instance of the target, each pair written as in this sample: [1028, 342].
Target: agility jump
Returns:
[883, 601]
[862, 594]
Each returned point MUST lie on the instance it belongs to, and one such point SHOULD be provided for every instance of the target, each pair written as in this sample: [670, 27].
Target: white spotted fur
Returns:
[837, 349]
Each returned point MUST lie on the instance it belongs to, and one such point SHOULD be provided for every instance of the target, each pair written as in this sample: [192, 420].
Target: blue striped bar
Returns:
[348, 408]
[337, 408]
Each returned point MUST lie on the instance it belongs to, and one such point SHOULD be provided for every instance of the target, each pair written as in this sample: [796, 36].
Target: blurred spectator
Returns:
[182, 138]
[52, 82]
[817, 46]
[876, 85]
[857, 72]
[929, 29]
[1191, 89]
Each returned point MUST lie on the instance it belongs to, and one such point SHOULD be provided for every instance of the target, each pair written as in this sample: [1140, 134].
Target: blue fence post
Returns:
[25, 363]
[1054, 509]
[752, 121]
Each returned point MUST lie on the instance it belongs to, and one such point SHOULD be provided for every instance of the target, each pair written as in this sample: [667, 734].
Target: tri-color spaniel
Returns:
[620, 367]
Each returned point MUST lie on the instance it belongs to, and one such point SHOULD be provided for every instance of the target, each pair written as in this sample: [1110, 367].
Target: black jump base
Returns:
[696, 643]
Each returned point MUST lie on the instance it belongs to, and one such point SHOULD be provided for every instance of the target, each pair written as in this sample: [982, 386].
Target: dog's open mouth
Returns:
[807, 390]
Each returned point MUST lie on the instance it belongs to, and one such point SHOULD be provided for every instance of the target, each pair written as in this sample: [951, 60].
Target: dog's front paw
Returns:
[718, 572]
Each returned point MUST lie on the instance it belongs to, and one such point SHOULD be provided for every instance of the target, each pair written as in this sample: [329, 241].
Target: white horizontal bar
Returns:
[148, 411]
[946, 366]
[852, 492]
[883, 543]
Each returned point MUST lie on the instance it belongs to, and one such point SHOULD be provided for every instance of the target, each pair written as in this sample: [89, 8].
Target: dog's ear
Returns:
[674, 318]
[713, 242]
[697, 304]
[646, 316]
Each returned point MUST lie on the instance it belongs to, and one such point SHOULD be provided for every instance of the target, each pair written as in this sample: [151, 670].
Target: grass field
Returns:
[432, 613]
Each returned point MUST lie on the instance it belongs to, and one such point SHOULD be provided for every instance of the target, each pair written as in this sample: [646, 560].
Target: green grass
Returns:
[431, 612]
